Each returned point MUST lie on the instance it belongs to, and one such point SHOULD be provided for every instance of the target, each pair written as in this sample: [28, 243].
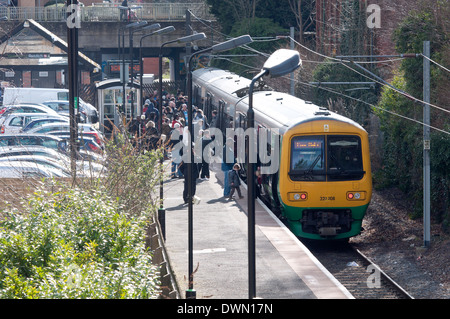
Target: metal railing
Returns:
[106, 12]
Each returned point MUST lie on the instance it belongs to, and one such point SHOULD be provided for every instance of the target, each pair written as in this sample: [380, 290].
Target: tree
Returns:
[229, 12]
[304, 12]
[287, 13]
[403, 139]
[255, 27]
[332, 72]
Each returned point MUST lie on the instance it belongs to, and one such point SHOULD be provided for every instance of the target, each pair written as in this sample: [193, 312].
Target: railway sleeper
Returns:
[327, 223]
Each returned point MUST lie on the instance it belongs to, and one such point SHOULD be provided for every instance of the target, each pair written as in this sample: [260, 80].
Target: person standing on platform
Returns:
[184, 170]
[228, 160]
[235, 182]
[206, 156]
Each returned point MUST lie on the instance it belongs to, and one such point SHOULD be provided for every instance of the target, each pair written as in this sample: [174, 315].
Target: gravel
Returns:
[395, 243]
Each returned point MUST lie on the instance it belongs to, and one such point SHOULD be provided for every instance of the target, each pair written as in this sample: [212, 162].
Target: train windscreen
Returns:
[327, 157]
[307, 158]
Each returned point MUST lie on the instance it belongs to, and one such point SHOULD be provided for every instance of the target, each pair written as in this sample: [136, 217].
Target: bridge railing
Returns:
[105, 12]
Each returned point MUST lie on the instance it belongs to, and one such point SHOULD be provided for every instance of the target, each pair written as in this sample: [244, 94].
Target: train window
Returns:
[307, 158]
[344, 158]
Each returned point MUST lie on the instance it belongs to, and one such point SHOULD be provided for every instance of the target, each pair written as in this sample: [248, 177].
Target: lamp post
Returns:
[281, 62]
[189, 38]
[224, 46]
[122, 58]
[141, 63]
[72, 60]
[130, 39]
[138, 28]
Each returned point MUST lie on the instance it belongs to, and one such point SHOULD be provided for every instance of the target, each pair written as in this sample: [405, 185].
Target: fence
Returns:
[106, 12]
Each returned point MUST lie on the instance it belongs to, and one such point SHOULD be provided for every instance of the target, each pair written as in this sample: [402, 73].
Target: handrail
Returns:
[106, 12]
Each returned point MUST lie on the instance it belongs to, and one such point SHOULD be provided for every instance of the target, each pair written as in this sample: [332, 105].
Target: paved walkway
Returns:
[284, 267]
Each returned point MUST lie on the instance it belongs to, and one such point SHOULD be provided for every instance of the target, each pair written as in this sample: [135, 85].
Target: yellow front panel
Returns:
[321, 193]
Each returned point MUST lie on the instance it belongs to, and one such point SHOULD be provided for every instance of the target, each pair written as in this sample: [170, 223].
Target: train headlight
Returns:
[298, 196]
[356, 195]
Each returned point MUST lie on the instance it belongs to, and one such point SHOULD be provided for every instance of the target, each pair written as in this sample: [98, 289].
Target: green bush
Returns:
[75, 243]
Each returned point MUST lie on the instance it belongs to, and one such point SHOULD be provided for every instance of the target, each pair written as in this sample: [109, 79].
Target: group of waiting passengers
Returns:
[175, 118]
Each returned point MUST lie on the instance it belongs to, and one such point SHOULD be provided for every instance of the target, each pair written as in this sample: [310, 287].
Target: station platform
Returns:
[285, 269]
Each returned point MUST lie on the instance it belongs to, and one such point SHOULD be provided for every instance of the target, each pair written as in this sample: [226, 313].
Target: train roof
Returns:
[273, 109]
[282, 110]
[221, 81]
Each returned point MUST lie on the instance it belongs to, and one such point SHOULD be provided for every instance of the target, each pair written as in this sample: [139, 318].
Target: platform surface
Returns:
[285, 269]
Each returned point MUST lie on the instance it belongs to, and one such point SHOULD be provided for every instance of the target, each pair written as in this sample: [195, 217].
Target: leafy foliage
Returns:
[86, 241]
[409, 36]
[75, 244]
[403, 152]
[255, 27]
[353, 109]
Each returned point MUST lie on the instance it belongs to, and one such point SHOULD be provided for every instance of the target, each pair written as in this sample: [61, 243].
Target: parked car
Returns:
[15, 122]
[45, 120]
[52, 142]
[18, 150]
[63, 130]
[19, 169]
[62, 107]
[32, 150]
[88, 112]
[27, 108]
[86, 141]
[59, 162]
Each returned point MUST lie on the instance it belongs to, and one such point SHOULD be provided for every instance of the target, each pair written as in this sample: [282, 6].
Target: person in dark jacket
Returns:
[184, 170]
[235, 182]
[228, 160]
[151, 109]
[203, 167]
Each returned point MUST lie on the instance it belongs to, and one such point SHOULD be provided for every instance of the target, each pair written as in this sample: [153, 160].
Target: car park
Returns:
[14, 122]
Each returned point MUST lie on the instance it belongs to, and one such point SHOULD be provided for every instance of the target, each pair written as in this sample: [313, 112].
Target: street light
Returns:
[158, 32]
[122, 58]
[224, 46]
[281, 62]
[131, 33]
[189, 38]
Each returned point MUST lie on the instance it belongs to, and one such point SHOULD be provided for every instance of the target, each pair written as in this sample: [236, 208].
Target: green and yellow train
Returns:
[323, 183]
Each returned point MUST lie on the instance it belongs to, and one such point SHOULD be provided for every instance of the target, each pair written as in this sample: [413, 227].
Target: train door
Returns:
[197, 99]
[208, 106]
[267, 167]
[222, 118]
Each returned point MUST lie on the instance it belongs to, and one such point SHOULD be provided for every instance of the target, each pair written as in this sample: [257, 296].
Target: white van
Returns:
[33, 95]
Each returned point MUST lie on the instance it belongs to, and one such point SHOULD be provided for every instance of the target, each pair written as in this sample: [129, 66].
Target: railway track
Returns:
[355, 271]
[362, 278]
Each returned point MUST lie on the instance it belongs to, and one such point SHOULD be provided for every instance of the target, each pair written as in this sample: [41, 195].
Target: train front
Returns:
[325, 181]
